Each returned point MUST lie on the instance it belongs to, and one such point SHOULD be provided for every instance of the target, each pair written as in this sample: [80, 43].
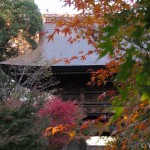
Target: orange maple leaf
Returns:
[97, 9]
[71, 134]
[48, 131]
[58, 129]
[84, 126]
[90, 52]
[73, 57]
[49, 128]
[67, 61]
[83, 58]
[60, 23]
[55, 61]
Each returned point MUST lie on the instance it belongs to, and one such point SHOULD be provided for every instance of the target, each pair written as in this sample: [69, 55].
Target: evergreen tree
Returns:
[19, 22]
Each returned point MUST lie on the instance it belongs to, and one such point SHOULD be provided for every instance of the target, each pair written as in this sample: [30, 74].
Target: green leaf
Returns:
[145, 96]
[106, 47]
[118, 112]
[112, 30]
[124, 92]
[138, 32]
[126, 68]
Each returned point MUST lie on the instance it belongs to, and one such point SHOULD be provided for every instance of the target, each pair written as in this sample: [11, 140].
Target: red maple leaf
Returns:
[70, 40]
[66, 31]
[51, 37]
[57, 30]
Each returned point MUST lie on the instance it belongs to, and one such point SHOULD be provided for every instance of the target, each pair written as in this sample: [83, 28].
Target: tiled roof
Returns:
[60, 48]
[57, 49]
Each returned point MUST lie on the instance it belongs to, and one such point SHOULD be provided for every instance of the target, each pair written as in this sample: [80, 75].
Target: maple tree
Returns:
[65, 119]
[121, 30]
[66, 123]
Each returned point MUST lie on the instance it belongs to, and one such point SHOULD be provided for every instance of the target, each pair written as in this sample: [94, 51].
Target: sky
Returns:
[54, 7]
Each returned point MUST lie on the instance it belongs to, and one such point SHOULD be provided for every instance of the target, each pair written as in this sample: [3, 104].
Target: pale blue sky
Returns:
[54, 7]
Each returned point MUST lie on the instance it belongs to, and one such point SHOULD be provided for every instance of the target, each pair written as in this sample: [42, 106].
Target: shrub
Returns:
[65, 118]
[61, 112]
[20, 126]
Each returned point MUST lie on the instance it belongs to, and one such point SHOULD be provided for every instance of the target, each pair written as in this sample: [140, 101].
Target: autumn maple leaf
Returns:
[97, 9]
[48, 131]
[90, 52]
[55, 61]
[60, 23]
[67, 61]
[67, 2]
[83, 58]
[73, 57]
[71, 134]
[71, 40]
[57, 129]
[51, 37]
[66, 31]
[57, 30]
[85, 125]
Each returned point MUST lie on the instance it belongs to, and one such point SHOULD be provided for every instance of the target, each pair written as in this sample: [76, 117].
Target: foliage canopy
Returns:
[121, 30]
[19, 22]
[20, 125]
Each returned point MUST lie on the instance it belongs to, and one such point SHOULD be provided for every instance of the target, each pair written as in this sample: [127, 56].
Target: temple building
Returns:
[71, 77]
